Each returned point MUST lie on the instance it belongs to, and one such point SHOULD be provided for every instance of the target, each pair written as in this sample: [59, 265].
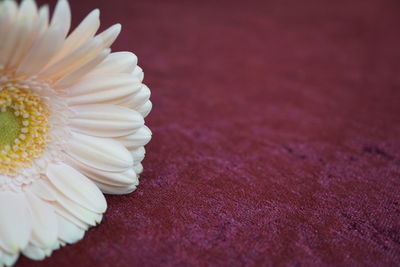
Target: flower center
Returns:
[23, 127]
[10, 127]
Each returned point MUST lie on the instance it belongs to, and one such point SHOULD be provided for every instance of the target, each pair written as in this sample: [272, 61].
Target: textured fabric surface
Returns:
[276, 136]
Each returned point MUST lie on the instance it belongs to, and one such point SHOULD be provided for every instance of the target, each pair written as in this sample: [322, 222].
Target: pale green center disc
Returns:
[9, 128]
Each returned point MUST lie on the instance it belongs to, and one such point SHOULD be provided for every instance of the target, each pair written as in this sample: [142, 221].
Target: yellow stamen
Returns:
[23, 127]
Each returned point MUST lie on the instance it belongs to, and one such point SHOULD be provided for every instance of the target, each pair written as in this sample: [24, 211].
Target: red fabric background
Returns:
[276, 136]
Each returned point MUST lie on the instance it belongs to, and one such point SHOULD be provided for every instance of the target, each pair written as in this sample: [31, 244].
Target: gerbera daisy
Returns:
[71, 126]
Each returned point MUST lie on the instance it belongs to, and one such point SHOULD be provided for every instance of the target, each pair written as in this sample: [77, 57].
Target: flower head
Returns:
[71, 126]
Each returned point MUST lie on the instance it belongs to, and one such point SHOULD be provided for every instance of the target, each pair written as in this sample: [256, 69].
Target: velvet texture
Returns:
[276, 136]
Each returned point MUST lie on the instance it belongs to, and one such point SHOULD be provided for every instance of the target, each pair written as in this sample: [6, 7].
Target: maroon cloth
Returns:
[276, 136]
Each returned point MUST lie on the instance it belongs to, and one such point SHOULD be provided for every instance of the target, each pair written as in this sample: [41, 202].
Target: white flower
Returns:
[71, 126]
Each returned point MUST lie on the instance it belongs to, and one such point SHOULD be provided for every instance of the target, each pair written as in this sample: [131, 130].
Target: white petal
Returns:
[138, 154]
[62, 17]
[69, 233]
[101, 153]
[42, 51]
[77, 74]
[15, 223]
[79, 212]
[83, 33]
[120, 179]
[139, 98]
[28, 10]
[82, 55]
[138, 72]
[112, 89]
[105, 120]
[44, 224]
[119, 62]
[76, 187]
[145, 108]
[34, 252]
[43, 190]
[8, 14]
[139, 138]
[115, 190]
[110, 35]
[138, 168]
[8, 259]
[43, 22]
[27, 19]
[16, 31]
[61, 211]
[124, 178]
